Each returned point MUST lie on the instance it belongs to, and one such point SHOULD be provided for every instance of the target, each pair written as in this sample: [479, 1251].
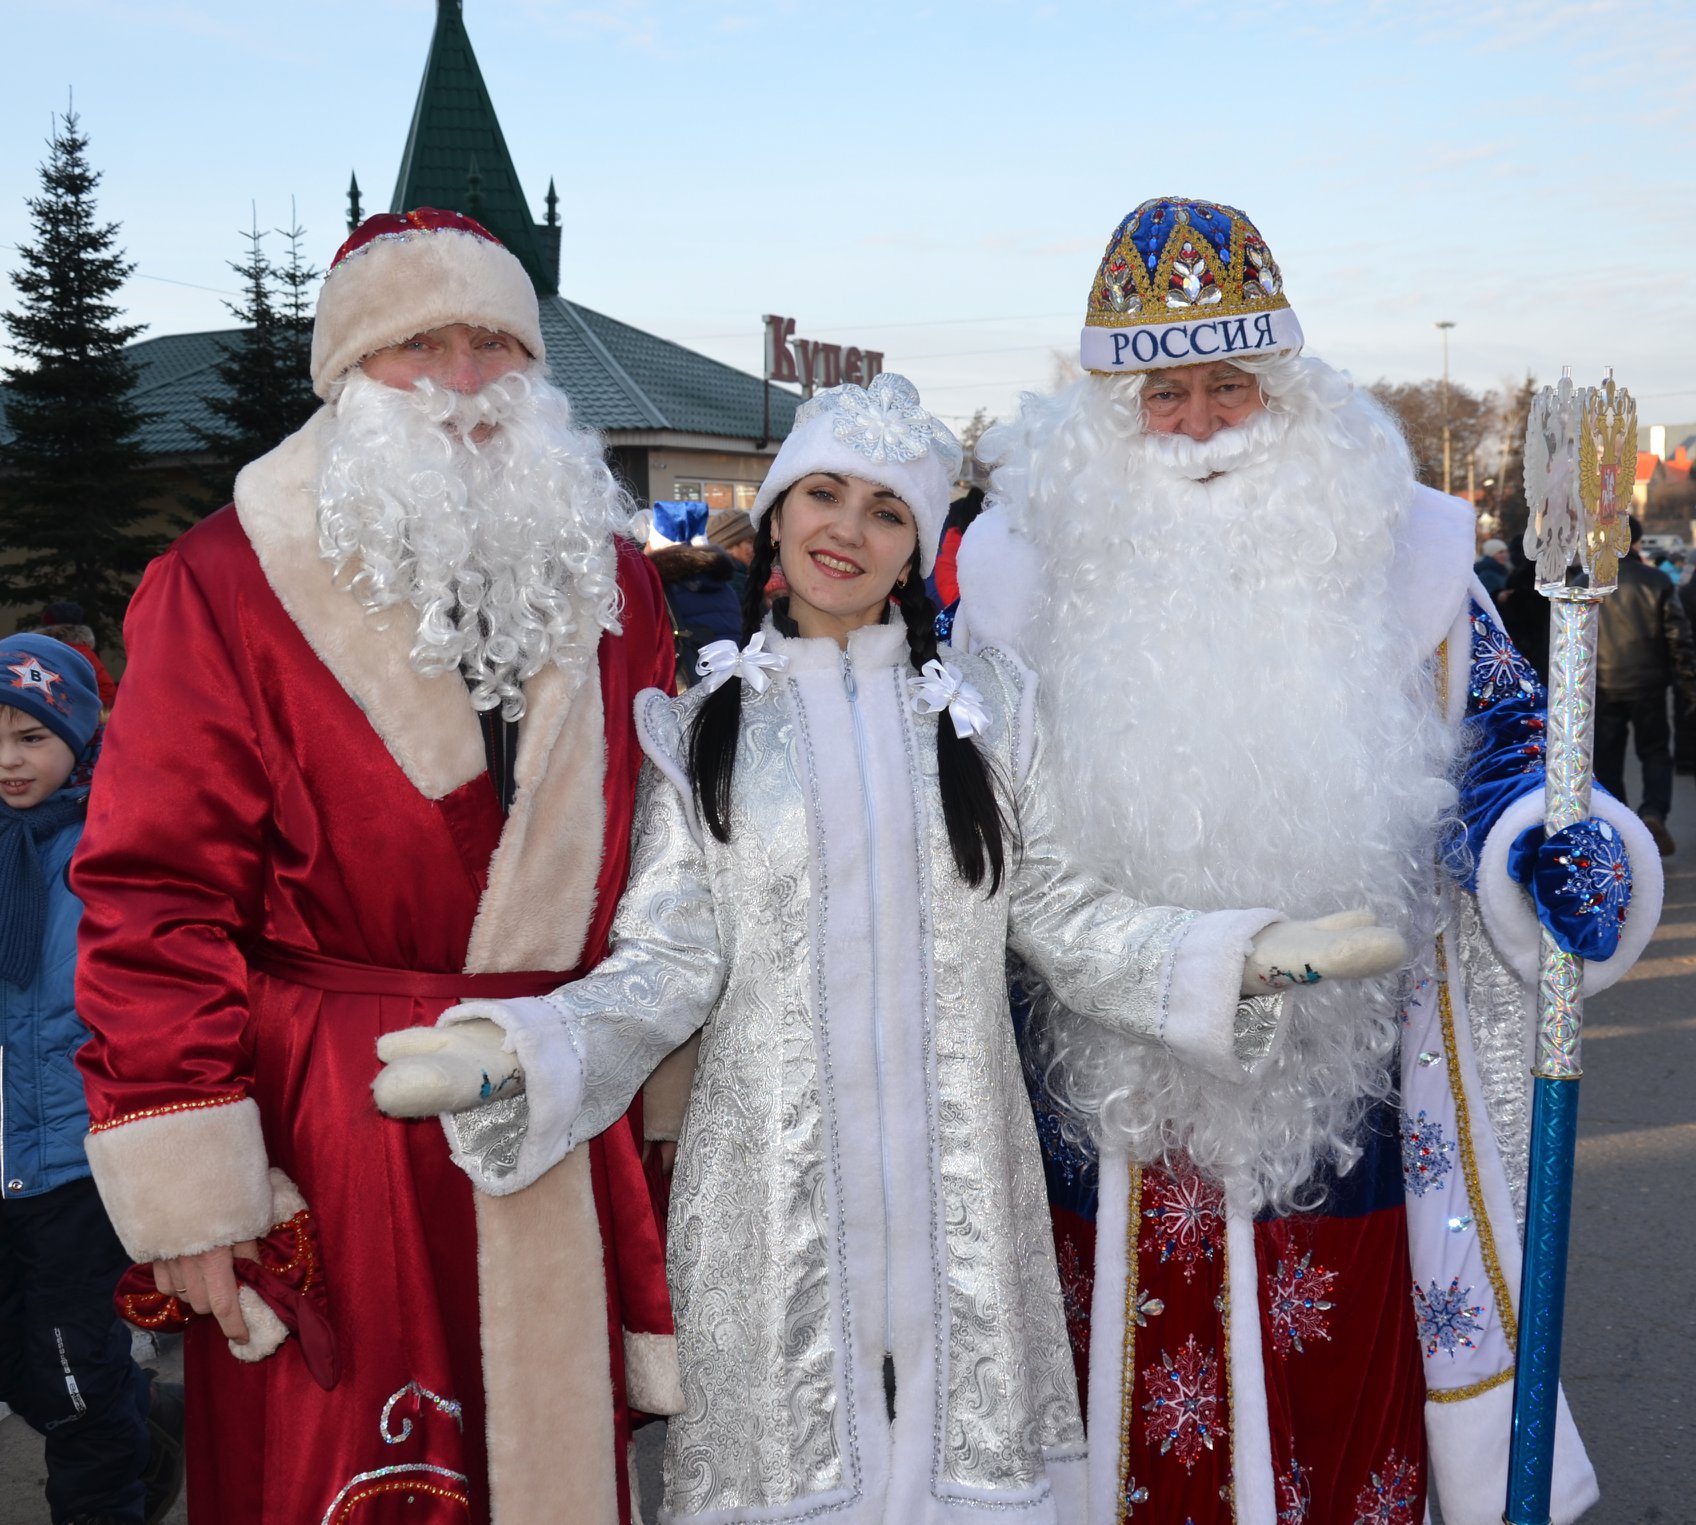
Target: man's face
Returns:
[458, 358]
[1199, 400]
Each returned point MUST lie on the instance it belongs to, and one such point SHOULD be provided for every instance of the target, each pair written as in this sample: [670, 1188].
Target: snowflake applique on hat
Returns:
[885, 421]
[29, 674]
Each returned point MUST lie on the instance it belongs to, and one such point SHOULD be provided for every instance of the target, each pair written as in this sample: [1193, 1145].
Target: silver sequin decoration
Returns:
[1499, 1011]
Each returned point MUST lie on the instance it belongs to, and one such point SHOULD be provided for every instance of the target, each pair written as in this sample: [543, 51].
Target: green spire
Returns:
[455, 152]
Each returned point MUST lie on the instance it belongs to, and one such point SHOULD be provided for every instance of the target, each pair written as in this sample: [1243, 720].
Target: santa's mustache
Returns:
[1230, 449]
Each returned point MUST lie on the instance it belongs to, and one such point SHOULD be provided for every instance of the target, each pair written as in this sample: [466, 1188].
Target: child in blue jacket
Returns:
[65, 1364]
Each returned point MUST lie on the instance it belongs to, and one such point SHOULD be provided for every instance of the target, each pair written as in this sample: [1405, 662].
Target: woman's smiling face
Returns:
[842, 542]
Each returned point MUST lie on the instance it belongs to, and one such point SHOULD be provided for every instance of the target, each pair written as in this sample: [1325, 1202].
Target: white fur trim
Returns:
[652, 1381]
[398, 286]
[1253, 1490]
[1189, 341]
[1107, 1336]
[1000, 574]
[547, 1369]
[536, 910]
[1432, 574]
[1206, 985]
[427, 724]
[539, 1035]
[182, 1182]
[1511, 918]
[923, 485]
[1469, 1460]
[265, 1331]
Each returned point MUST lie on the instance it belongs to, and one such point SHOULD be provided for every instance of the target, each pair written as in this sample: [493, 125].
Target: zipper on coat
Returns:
[853, 689]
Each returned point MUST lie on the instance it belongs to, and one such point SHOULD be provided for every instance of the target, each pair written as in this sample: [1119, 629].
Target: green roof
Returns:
[617, 377]
[456, 157]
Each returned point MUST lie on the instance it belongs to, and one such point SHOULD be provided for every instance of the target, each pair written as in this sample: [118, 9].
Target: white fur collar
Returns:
[871, 646]
[1000, 571]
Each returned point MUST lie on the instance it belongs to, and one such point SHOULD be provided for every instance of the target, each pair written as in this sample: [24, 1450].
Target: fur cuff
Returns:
[1207, 981]
[652, 1381]
[540, 1036]
[1511, 919]
[665, 1098]
[181, 1182]
[1469, 1460]
[1000, 574]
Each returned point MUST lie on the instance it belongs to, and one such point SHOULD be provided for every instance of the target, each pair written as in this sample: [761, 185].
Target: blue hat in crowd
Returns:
[678, 523]
[53, 683]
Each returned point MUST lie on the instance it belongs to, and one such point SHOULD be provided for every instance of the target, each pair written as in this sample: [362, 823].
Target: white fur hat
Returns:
[404, 273]
[881, 433]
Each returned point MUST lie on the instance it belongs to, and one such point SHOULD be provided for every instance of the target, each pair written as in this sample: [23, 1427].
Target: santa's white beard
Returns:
[504, 549]
[1242, 719]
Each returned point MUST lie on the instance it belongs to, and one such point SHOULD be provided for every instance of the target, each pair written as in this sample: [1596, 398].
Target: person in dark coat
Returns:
[1645, 647]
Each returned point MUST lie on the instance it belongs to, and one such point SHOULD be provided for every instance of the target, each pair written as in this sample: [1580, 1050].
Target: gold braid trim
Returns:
[1468, 1156]
[1472, 1390]
[1128, 1366]
[175, 1106]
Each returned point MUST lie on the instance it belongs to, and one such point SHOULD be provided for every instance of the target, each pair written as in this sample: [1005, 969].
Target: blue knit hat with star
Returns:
[52, 683]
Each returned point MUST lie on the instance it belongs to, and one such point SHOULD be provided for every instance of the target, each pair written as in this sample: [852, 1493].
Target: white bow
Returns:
[942, 686]
[721, 661]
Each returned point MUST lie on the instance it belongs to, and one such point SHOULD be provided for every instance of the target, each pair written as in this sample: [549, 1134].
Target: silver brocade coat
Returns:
[858, 1168]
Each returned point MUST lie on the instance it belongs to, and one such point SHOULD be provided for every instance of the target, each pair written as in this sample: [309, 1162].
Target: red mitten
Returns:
[281, 1293]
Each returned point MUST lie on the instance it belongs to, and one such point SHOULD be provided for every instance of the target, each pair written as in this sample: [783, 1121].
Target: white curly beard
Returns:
[503, 548]
[1243, 719]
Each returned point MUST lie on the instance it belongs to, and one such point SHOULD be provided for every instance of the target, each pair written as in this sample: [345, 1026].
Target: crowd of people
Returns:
[956, 1007]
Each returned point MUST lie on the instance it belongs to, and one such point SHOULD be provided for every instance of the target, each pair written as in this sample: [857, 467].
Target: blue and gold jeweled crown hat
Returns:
[1185, 282]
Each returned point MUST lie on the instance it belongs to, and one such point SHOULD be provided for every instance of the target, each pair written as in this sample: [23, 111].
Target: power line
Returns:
[142, 275]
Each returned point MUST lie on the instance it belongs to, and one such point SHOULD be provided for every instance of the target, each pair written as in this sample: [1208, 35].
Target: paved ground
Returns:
[1630, 1336]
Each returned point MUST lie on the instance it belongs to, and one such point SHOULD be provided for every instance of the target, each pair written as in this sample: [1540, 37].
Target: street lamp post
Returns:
[1445, 327]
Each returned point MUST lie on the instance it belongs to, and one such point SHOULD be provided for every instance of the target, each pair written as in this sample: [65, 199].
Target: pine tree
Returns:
[265, 389]
[71, 497]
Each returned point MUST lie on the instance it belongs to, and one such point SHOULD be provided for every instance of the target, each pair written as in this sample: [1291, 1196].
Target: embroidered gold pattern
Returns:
[1471, 1390]
[1468, 1157]
[1128, 1364]
[176, 1106]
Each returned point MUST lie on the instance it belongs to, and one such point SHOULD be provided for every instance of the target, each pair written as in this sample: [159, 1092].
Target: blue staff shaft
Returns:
[1554, 1119]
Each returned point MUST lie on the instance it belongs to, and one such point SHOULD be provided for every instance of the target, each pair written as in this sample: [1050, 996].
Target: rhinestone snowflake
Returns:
[1148, 1306]
[1296, 1305]
[1390, 1496]
[1498, 670]
[1427, 1157]
[1183, 1404]
[1187, 1221]
[1075, 1281]
[884, 421]
[1295, 1494]
[1444, 1320]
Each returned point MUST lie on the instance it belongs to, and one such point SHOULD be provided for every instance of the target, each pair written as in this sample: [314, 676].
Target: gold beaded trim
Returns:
[1128, 1367]
[401, 1485]
[1225, 1361]
[1471, 1390]
[1468, 1159]
[176, 1106]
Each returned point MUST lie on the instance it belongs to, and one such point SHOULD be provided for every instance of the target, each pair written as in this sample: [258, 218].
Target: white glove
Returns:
[427, 1070]
[1346, 946]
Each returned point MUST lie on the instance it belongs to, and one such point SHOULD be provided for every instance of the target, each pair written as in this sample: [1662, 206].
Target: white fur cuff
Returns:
[1511, 918]
[182, 1182]
[541, 1038]
[652, 1380]
[1207, 979]
[1469, 1460]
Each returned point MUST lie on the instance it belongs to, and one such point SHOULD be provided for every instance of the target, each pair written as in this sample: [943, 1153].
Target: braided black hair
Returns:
[971, 808]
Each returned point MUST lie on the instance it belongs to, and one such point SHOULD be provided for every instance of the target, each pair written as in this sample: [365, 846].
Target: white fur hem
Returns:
[1107, 1337]
[652, 1381]
[1511, 918]
[1207, 981]
[1469, 1460]
[182, 1182]
[539, 1035]
[1255, 1491]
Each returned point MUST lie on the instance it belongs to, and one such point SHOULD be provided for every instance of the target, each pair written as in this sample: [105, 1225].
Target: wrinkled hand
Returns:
[1346, 946]
[427, 1070]
[207, 1283]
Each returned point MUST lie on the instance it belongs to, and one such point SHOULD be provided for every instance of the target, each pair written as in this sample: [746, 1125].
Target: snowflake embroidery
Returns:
[1498, 671]
[1187, 1217]
[1073, 1163]
[1427, 1157]
[1183, 1404]
[1295, 1494]
[1296, 1304]
[1390, 1495]
[1134, 1495]
[1444, 1320]
[1404, 1010]
[1147, 1307]
[1074, 1287]
[884, 421]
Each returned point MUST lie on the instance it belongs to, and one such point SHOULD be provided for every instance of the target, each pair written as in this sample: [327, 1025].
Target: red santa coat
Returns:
[291, 834]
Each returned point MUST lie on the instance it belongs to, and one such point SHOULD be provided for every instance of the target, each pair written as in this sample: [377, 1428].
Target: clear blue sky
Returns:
[938, 181]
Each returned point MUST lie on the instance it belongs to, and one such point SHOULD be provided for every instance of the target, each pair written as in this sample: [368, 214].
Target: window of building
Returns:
[716, 495]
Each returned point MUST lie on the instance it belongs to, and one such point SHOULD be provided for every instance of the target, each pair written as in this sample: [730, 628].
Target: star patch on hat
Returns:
[27, 673]
[1185, 282]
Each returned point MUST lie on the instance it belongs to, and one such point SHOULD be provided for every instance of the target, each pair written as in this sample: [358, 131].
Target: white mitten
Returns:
[1347, 946]
[427, 1070]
